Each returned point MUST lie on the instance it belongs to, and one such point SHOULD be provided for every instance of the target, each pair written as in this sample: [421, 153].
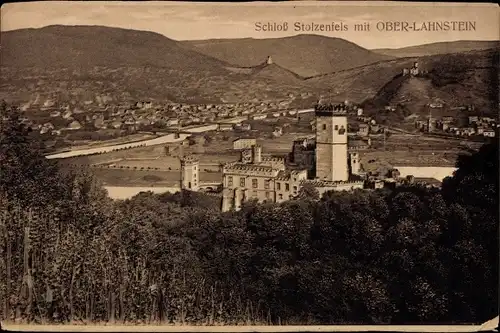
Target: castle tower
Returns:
[354, 164]
[430, 122]
[331, 143]
[190, 173]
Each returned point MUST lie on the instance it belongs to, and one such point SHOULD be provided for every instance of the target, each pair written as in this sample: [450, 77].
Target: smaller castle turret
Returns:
[354, 164]
[190, 173]
[256, 154]
[413, 71]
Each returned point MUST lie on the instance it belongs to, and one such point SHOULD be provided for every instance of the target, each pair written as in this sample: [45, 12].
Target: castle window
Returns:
[266, 184]
[324, 126]
[295, 188]
[280, 196]
[254, 183]
[189, 185]
[230, 181]
[254, 193]
[268, 195]
[242, 182]
[278, 186]
[336, 127]
[287, 187]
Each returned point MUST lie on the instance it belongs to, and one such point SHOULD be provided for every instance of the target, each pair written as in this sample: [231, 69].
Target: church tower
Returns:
[190, 174]
[331, 143]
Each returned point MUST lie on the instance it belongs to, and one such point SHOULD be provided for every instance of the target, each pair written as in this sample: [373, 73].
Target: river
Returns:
[438, 173]
[127, 192]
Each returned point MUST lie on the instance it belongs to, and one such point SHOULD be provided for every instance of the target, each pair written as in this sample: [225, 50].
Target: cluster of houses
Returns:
[471, 126]
[367, 125]
[141, 114]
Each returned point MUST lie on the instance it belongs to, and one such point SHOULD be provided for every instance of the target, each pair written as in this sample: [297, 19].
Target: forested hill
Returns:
[412, 255]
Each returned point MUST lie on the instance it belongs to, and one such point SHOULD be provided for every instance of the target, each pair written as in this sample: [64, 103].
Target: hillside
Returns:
[305, 55]
[457, 79]
[438, 48]
[75, 47]
[92, 64]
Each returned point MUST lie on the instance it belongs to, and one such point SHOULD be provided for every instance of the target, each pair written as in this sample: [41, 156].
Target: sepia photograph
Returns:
[258, 164]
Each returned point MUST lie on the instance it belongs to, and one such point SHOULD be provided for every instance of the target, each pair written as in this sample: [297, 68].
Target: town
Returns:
[170, 165]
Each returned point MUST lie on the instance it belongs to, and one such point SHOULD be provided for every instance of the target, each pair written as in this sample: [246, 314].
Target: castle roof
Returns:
[244, 139]
[250, 169]
[328, 183]
[288, 174]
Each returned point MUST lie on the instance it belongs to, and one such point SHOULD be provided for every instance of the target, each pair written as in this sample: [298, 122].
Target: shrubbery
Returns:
[412, 255]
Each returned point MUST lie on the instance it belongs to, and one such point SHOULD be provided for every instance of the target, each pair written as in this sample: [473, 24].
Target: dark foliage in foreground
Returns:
[413, 255]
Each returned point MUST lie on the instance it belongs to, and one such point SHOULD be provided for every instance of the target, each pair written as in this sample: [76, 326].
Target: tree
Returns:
[308, 192]
[24, 172]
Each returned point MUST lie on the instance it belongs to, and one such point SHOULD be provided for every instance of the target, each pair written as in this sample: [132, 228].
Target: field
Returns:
[411, 150]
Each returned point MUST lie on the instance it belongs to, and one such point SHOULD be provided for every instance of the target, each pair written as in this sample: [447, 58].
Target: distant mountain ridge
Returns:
[94, 46]
[305, 55]
[438, 48]
[85, 65]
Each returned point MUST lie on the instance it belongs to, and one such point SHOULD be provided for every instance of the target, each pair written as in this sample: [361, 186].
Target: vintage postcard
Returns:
[312, 165]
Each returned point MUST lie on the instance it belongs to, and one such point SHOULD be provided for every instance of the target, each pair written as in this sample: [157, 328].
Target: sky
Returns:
[188, 21]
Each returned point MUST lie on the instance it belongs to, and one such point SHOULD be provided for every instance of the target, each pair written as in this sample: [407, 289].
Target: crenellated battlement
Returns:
[189, 160]
[330, 109]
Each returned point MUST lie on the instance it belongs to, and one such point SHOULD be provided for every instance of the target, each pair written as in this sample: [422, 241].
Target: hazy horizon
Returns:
[254, 38]
[202, 21]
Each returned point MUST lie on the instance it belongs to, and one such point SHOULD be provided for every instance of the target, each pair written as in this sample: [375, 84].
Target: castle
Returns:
[270, 179]
[413, 71]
